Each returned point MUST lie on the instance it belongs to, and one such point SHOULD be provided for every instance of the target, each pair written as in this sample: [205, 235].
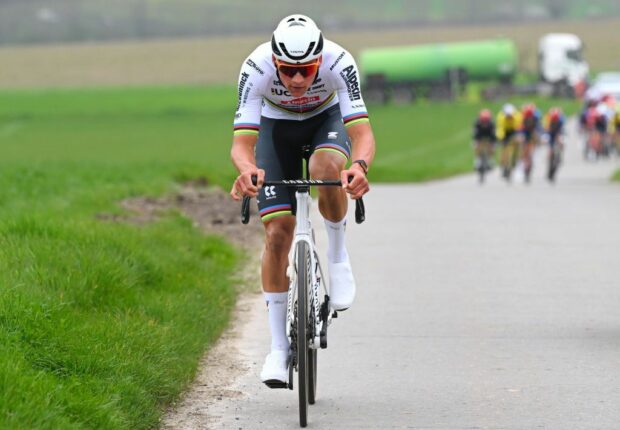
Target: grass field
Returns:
[217, 60]
[102, 323]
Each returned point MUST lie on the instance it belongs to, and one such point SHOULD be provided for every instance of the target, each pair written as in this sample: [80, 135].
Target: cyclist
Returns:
[615, 125]
[508, 132]
[530, 126]
[484, 137]
[600, 131]
[554, 130]
[300, 90]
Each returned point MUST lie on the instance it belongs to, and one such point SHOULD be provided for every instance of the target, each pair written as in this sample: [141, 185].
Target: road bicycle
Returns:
[308, 312]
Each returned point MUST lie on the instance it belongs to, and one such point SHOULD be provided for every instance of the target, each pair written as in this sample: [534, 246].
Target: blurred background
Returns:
[86, 42]
[41, 21]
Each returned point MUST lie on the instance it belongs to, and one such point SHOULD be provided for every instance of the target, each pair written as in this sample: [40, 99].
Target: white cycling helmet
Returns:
[509, 109]
[297, 40]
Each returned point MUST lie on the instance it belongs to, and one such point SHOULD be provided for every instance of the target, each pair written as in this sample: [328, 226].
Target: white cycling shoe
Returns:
[341, 285]
[275, 369]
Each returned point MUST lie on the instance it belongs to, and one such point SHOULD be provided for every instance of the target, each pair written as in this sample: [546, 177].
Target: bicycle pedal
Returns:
[274, 383]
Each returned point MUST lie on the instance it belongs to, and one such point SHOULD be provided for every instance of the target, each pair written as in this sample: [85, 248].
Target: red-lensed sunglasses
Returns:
[290, 70]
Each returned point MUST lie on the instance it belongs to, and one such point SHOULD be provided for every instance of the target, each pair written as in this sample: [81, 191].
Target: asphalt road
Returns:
[478, 307]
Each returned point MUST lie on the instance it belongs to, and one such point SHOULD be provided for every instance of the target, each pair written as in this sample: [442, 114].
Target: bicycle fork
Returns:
[319, 316]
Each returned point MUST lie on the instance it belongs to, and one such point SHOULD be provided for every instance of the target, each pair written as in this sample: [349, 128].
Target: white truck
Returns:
[561, 64]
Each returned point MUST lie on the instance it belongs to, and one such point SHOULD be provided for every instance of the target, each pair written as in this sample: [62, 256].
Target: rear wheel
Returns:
[303, 270]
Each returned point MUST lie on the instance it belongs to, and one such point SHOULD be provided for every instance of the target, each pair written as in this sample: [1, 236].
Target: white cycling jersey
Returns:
[261, 93]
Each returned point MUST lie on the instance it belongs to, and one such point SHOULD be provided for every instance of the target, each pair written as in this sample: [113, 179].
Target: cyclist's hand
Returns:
[243, 184]
[358, 185]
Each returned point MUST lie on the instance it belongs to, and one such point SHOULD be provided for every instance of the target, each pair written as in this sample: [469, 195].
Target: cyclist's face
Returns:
[298, 84]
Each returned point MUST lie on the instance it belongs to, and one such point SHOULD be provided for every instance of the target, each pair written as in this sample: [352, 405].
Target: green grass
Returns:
[102, 323]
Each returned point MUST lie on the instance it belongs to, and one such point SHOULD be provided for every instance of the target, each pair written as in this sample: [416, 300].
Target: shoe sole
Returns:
[275, 383]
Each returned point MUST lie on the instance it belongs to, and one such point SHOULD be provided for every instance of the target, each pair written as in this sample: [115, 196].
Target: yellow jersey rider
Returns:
[508, 127]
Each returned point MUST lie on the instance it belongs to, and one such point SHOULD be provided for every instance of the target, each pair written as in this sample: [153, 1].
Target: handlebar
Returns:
[302, 184]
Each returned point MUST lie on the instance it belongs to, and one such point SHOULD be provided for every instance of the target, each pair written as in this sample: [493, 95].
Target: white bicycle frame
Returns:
[304, 233]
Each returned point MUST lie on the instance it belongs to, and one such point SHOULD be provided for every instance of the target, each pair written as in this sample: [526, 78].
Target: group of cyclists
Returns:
[599, 123]
[518, 132]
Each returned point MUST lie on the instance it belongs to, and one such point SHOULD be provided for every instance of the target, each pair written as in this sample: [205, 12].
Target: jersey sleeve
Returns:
[249, 98]
[348, 88]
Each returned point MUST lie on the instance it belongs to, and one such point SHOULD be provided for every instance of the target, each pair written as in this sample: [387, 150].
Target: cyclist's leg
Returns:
[276, 204]
[478, 148]
[504, 157]
[331, 150]
[280, 160]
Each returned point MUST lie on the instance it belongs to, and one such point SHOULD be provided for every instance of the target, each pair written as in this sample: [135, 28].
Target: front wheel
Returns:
[303, 272]
[312, 373]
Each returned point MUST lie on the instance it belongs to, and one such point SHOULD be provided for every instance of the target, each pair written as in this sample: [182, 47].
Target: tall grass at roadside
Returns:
[101, 323]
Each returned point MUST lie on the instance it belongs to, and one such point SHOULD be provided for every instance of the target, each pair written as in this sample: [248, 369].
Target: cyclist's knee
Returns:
[326, 165]
[279, 234]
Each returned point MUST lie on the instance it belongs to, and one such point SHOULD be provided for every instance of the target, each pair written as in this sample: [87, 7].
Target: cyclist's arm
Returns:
[242, 156]
[345, 76]
[363, 148]
[246, 130]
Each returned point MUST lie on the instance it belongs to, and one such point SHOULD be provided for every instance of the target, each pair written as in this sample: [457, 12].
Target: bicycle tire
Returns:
[303, 268]
[482, 169]
[312, 375]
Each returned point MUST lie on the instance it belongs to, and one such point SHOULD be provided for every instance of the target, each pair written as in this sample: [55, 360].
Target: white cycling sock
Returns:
[276, 307]
[336, 250]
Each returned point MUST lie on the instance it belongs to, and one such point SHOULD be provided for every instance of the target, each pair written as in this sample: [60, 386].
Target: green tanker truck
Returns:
[437, 70]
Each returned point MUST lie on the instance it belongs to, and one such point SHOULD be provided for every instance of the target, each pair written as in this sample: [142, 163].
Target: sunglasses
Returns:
[291, 70]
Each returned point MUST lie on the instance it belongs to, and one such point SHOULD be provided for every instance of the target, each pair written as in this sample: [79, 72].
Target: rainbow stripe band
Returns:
[330, 147]
[356, 118]
[246, 128]
[274, 211]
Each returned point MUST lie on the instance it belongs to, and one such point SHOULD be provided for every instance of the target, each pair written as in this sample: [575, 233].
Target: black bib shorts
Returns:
[279, 151]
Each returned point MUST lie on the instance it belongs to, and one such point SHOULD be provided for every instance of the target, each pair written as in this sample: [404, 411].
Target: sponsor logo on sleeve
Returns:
[349, 75]
[253, 65]
[242, 82]
[332, 135]
[337, 61]
[247, 93]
